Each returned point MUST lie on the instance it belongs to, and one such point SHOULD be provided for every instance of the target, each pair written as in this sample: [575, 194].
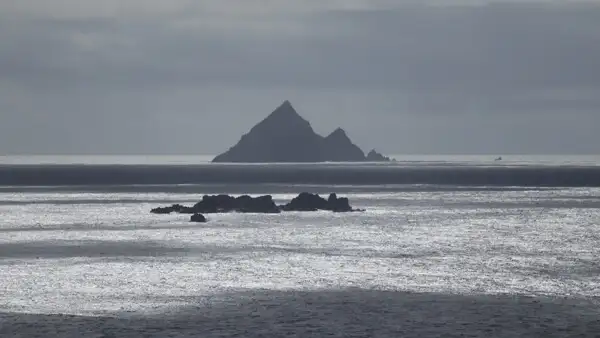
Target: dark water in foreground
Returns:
[343, 313]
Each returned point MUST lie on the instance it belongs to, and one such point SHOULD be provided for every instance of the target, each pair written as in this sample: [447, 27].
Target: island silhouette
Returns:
[285, 136]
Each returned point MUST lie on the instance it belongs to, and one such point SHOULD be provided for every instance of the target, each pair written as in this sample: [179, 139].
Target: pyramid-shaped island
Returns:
[284, 136]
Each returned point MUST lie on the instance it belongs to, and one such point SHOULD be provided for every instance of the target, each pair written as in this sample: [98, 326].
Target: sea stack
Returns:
[374, 156]
[285, 136]
[338, 147]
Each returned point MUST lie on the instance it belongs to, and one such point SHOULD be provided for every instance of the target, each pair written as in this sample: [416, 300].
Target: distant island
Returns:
[284, 136]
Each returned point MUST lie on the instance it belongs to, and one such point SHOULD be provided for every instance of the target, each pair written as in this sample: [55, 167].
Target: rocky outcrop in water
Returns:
[337, 147]
[162, 210]
[284, 136]
[313, 202]
[244, 203]
[173, 208]
[262, 204]
[198, 218]
[374, 156]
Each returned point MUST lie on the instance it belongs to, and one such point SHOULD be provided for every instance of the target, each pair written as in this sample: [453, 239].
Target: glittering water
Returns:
[421, 261]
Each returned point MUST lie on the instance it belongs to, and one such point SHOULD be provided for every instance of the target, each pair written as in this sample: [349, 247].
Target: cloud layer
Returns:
[405, 77]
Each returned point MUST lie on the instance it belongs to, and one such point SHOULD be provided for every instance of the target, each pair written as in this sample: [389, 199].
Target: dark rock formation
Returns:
[244, 203]
[306, 202]
[284, 136]
[173, 208]
[374, 156]
[198, 218]
[340, 204]
[337, 147]
[162, 210]
[224, 203]
[312, 202]
[186, 210]
[262, 204]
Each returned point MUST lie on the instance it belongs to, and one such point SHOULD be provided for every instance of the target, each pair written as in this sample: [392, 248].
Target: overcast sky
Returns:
[191, 76]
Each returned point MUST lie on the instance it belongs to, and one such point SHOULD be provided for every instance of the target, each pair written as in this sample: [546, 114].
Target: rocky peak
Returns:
[285, 110]
[374, 156]
[339, 147]
[284, 136]
[283, 118]
[339, 134]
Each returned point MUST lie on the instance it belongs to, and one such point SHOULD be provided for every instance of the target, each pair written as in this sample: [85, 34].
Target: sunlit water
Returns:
[468, 251]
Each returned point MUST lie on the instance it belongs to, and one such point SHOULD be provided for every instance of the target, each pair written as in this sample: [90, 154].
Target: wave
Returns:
[319, 174]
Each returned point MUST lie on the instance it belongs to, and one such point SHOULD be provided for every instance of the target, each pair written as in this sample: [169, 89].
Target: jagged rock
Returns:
[284, 136]
[374, 156]
[162, 210]
[338, 204]
[306, 202]
[198, 218]
[173, 208]
[186, 210]
[338, 147]
[262, 204]
[167, 210]
[244, 203]
[224, 203]
[312, 202]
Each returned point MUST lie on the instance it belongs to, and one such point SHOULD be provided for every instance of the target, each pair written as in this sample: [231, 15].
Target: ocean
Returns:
[449, 246]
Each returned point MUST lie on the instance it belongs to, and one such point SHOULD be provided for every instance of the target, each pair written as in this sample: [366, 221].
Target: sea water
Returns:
[422, 260]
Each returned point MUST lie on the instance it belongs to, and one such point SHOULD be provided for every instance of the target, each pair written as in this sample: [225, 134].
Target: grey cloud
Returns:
[417, 69]
[410, 48]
